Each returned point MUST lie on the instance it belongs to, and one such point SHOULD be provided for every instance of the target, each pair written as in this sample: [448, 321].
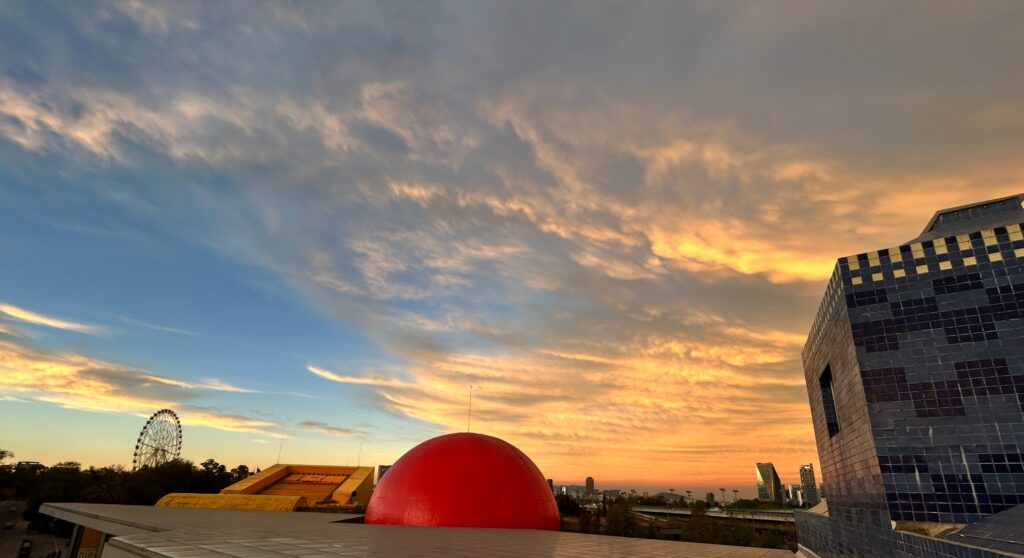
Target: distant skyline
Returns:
[323, 223]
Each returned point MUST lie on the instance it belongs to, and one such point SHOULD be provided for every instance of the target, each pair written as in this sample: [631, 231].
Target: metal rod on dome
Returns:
[469, 413]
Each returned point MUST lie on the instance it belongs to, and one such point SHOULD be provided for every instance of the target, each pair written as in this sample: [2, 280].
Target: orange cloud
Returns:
[646, 411]
[79, 382]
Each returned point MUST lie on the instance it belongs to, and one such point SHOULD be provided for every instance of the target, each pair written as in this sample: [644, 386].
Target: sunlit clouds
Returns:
[27, 316]
[328, 375]
[650, 397]
[614, 224]
[78, 382]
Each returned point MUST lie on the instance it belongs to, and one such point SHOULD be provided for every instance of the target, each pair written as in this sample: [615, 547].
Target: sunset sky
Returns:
[322, 223]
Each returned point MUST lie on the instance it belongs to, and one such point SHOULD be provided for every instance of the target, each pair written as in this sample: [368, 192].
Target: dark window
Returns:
[828, 399]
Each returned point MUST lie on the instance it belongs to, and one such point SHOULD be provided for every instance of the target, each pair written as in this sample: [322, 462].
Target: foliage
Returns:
[567, 506]
[699, 527]
[240, 473]
[589, 523]
[620, 520]
[68, 482]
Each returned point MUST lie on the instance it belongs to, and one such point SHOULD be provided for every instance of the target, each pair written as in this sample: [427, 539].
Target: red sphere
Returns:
[464, 480]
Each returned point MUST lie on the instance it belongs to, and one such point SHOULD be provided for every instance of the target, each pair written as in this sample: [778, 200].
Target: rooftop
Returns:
[1003, 531]
[204, 533]
[973, 217]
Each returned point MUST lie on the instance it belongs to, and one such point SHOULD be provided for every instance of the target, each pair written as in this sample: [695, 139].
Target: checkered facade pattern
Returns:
[915, 374]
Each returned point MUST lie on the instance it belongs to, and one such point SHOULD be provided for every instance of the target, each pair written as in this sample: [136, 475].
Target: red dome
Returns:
[464, 480]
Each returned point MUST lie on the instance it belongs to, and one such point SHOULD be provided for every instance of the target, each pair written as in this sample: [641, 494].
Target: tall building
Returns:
[709, 499]
[590, 485]
[795, 495]
[769, 487]
[915, 372]
[551, 486]
[808, 485]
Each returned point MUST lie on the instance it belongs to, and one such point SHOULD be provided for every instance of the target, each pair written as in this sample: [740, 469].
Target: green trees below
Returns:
[69, 482]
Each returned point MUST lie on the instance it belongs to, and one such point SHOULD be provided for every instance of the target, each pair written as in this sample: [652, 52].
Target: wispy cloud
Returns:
[218, 385]
[210, 384]
[157, 327]
[35, 318]
[80, 382]
[357, 380]
[324, 428]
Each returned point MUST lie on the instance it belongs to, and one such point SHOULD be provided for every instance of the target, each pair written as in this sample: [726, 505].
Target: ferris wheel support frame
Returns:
[162, 435]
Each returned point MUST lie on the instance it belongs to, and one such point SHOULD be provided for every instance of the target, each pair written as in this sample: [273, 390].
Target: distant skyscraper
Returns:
[769, 487]
[795, 495]
[808, 485]
[551, 485]
[590, 485]
[915, 372]
[710, 499]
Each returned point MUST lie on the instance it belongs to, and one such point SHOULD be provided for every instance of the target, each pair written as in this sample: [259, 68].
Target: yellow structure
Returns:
[321, 485]
[232, 502]
[90, 544]
[287, 488]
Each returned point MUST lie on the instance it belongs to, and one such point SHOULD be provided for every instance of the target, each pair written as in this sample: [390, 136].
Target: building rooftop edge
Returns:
[931, 222]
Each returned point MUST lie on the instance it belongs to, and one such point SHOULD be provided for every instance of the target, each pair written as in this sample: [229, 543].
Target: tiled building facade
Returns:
[915, 373]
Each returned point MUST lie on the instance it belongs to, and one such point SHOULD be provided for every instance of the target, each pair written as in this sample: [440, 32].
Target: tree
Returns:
[586, 522]
[619, 520]
[699, 528]
[5, 455]
[211, 466]
[652, 530]
[239, 473]
[73, 465]
[213, 477]
[567, 507]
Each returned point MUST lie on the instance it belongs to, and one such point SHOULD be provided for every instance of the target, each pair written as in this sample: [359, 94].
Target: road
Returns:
[10, 539]
[757, 515]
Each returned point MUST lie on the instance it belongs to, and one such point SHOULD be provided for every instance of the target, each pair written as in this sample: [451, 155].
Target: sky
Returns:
[310, 228]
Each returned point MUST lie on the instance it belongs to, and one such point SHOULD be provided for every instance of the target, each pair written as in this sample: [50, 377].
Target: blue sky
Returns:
[161, 303]
[323, 222]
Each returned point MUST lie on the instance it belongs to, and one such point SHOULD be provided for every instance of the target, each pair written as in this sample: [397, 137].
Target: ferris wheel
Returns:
[159, 441]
